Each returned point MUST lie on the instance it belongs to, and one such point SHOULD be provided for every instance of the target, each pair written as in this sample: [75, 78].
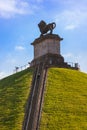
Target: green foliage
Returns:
[65, 101]
[14, 91]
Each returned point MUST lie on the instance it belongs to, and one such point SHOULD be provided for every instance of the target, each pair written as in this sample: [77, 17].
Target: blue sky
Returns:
[18, 29]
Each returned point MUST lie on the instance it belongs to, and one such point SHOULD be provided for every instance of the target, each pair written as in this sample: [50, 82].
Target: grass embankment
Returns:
[65, 103]
[14, 92]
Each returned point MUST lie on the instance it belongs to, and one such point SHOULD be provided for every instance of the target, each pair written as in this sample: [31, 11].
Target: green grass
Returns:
[14, 91]
[65, 101]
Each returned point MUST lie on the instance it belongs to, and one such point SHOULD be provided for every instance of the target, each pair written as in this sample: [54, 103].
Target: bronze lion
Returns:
[44, 28]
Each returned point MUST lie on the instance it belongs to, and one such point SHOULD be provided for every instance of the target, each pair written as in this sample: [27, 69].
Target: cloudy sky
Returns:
[18, 29]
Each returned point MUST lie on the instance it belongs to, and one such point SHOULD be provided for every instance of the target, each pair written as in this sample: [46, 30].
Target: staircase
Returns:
[33, 112]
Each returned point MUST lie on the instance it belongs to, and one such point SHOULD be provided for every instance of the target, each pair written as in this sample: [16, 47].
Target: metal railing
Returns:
[76, 65]
[20, 68]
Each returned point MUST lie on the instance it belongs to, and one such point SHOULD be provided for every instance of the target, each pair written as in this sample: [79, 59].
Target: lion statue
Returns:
[44, 28]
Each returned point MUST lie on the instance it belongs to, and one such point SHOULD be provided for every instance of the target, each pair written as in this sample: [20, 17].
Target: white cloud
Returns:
[19, 48]
[83, 65]
[72, 17]
[2, 75]
[38, 1]
[70, 27]
[9, 8]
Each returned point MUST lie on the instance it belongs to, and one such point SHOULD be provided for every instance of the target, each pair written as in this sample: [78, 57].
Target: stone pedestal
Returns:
[47, 50]
[46, 44]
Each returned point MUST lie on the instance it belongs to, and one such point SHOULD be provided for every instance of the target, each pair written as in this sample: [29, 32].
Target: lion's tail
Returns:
[54, 25]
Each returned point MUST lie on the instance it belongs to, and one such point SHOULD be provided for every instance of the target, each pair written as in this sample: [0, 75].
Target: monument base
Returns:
[52, 60]
[48, 59]
[47, 52]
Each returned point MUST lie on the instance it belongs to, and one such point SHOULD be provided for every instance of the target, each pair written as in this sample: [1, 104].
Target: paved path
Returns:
[33, 112]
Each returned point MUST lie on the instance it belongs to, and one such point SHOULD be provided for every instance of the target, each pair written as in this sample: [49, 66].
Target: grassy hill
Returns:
[14, 92]
[65, 103]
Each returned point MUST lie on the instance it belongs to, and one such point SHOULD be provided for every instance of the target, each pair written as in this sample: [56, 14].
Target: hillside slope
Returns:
[64, 106]
[65, 103]
[14, 91]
